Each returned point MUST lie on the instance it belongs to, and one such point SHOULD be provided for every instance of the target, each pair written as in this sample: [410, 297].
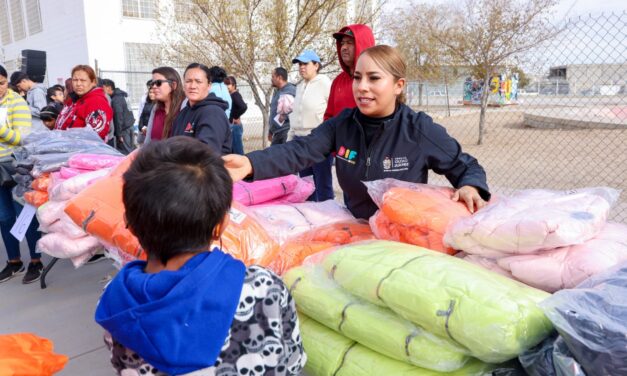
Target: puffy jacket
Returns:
[408, 146]
[92, 109]
[123, 118]
[341, 96]
[207, 122]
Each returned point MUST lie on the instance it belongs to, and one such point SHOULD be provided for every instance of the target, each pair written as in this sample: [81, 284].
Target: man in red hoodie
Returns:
[350, 41]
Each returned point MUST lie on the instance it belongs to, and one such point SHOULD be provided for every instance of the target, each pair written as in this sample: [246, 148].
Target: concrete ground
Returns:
[63, 313]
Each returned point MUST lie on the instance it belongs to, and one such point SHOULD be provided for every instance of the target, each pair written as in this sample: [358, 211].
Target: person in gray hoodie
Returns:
[279, 120]
[35, 97]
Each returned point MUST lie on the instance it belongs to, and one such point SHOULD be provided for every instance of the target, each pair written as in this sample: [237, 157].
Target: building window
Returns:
[17, 19]
[5, 27]
[139, 8]
[33, 16]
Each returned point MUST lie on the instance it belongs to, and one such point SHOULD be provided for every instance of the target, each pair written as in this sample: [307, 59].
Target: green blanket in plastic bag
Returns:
[494, 317]
[331, 354]
[375, 327]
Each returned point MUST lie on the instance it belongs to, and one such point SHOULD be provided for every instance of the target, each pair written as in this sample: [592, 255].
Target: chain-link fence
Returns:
[566, 128]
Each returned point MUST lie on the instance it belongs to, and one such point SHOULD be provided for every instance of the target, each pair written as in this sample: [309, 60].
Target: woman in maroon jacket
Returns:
[87, 106]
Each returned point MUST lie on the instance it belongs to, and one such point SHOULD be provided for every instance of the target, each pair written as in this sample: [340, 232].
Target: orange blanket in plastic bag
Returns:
[27, 354]
[99, 210]
[295, 251]
[246, 240]
[417, 216]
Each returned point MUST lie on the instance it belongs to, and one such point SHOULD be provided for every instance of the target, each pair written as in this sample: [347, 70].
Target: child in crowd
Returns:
[191, 309]
[48, 116]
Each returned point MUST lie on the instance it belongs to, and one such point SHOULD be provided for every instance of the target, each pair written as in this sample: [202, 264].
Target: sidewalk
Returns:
[63, 313]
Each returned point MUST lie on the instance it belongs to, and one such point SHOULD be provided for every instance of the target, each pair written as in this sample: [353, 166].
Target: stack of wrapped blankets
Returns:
[52, 167]
[64, 238]
[551, 240]
[256, 234]
[381, 307]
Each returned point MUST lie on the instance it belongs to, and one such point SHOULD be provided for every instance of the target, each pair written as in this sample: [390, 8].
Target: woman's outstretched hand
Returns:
[238, 166]
[470, 196]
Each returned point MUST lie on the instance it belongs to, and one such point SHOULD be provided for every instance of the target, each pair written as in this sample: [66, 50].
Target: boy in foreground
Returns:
[188, 308]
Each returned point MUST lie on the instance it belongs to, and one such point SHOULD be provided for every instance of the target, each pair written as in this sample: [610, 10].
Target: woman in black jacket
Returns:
[203, 118]
[381, 138]
[238, 108]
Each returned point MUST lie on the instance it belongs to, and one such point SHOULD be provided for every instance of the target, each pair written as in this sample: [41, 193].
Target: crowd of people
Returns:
[358, 122]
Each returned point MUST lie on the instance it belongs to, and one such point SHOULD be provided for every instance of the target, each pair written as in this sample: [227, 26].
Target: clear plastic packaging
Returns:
[61, 246]
[290, 220]
[331, 354]
[494, 317]
[68, 172]
[36, 198]
[592, 320]
[288, 188]
[94, 161]
[533, 220]
[566, 267]
[414, 213]
[73, 186]
[50, 212]
[550, 358]
[296, 250]
[375, 327]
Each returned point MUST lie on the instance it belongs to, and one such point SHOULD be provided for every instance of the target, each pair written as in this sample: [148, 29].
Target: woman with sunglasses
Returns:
[204, 117]
[167, 90]
[87, 105]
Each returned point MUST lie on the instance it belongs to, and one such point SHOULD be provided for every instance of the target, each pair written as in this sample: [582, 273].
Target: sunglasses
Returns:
[157, 83]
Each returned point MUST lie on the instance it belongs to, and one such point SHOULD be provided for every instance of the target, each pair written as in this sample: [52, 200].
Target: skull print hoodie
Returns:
[212, 314]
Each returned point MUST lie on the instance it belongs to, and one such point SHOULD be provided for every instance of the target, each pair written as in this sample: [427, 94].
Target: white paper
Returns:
[3, 116]
[237, 216]
[23, 221]
[276, 118]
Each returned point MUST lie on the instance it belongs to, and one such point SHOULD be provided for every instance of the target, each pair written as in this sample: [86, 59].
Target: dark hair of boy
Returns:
[176, 193]
[52, 90]
[281, 72]
[48, 113]
[218, 74]
[109, 83]
[3, 72]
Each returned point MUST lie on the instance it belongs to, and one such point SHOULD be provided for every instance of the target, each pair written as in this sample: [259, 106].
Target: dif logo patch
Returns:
[347, 154]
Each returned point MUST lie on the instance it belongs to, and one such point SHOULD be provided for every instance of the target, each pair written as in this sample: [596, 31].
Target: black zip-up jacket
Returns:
[238, 106]
[207, 122]
[408, 146]
[123, 118]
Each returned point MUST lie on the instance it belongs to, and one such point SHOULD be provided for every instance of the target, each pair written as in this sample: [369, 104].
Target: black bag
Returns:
[7, 170]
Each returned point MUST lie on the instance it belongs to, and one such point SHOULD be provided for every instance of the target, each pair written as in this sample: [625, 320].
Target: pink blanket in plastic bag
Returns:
[566, 267]
[61, 246]
[288, 220]
[290, 188]
[533, 220]
[69, 188]
[94, 161]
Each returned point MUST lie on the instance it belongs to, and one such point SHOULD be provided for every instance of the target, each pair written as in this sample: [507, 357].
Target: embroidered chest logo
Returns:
[97, 120]
[189, 128]
[395, 164]
[347, 154]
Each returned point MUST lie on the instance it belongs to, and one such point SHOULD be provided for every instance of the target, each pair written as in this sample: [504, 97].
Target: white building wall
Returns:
[108, 31]
[63, 38]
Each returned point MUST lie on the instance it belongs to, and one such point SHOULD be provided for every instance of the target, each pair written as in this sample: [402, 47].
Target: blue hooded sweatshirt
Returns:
[176, 321]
